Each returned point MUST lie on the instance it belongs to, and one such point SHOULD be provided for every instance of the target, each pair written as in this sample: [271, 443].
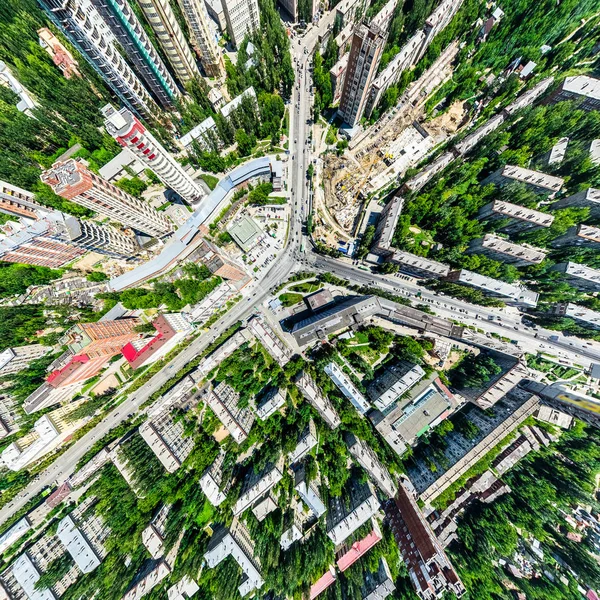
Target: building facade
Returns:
[85, 28]
[161, 18]
[203, 38]
[128, 30]
[242, 18]
[365, 54]
[131, 134]
[430, 571]
[73, 181]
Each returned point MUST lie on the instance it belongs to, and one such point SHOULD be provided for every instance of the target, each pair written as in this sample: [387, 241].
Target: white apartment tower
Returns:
[72, 180]
[140, 52]
[365, 54]
[162, 19]
[131, 134]
[88, 32]
[104, 239]
[203, 38]
[242, 19]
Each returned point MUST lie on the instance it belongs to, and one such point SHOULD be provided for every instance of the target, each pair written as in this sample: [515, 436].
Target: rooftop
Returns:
[542, 180]
[582, 85]
[520, 212]
[513, 292]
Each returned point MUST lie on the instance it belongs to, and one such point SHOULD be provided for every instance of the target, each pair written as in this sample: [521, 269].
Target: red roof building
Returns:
[58, 495]
[430, 571]
[170, 330]
[349, 555]
[323, 583]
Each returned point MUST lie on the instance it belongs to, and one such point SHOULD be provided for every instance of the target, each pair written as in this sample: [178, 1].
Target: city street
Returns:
[298, 255]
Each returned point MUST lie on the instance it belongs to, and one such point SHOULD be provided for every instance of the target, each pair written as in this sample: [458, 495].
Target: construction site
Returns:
[381, 154]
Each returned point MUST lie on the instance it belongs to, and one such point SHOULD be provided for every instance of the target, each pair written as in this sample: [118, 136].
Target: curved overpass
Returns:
[188, 236]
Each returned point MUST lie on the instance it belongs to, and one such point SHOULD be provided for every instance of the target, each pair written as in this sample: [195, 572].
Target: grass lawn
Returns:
[210, 180]
[290, 299]
[306, 288]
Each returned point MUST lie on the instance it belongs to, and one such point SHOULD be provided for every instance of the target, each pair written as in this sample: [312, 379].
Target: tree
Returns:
[474, 372]
[245, 143]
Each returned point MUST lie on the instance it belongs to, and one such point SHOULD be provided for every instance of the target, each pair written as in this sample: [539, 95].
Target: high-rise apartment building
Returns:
[104, 239]
[242, 19]
[203, 37]
[162, 19]
[73, 181]
[18, 202]
[131, 134]
[128, 30]
[365, 54]
[85, 28]
[41, 243]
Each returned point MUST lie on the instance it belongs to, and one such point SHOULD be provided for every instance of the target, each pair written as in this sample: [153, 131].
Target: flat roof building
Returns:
[577, 236]
[270, 340]
[147, 578]
[349, 312]
[14, 533]
[83, 538]
[378, 585]
[365, 53]
[411, 415]
[307, 440]
[536, 179]
[258, 484]
[519, 218]
[368, 460]
[430, 571]
[319, 299]
[309, 492]
[13, 360]
[580, 314]
[153, 536]
[73, 181]
[393, 383]
[270, 402]
[350, 553]
[558, 151]
[461, 454]
[419, 266]
[551, 415]
[509, 293]
[245, 232]
[237, 543]
[386, 226]
[345, 385]
[170, 330]
[216, 480]
[507, 252]
[589, 198]
[166, 437]
[184, 589]
[223, 400]
[204, 134]
[579, 276]
[348, 512]
[579, 87]
[425, 175]
[315, 397]
[502, 386]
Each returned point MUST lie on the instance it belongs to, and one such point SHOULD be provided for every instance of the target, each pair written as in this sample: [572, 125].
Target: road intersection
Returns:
[298, 254]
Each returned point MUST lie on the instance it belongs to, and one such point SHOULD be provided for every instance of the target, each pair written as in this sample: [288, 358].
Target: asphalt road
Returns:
[568, 349]
[254, 295]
